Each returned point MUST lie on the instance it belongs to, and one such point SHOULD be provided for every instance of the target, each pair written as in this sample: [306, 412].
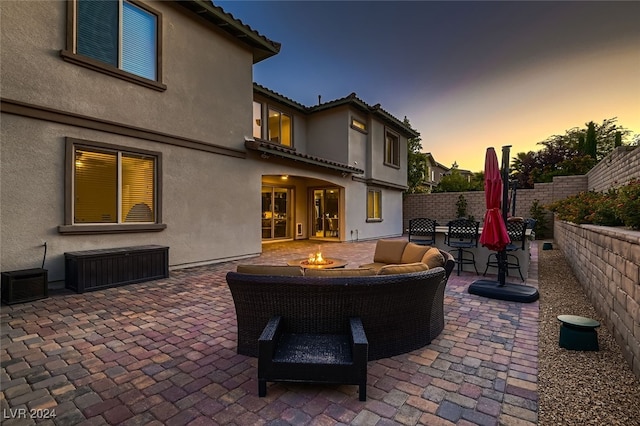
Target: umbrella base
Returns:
[509, 292]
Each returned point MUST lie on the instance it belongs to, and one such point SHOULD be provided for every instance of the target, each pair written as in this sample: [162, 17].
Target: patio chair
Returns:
[517, 234]
[422, 231]
[463, 234]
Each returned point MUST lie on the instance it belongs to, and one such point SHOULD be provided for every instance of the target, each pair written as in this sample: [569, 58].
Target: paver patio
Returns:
[163, 352]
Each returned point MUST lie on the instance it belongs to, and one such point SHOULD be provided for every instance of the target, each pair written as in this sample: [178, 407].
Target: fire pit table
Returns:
[329, 263]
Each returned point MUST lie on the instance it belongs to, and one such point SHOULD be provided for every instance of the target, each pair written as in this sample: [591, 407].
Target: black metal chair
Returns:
[463, 234]
[517, 234]
[422, 231]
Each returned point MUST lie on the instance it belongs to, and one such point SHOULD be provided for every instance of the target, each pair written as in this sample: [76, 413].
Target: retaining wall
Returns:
[606, 261]
[616, 169]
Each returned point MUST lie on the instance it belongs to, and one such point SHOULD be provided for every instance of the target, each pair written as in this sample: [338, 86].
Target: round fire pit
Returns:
[329, 263]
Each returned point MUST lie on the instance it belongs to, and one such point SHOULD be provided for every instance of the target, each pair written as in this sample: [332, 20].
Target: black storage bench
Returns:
[104, 268]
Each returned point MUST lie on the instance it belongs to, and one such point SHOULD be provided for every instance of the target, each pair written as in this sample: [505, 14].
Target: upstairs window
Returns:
[391, 149]
[257, 120]
[279, 127]
[117, 37]
[358, 125]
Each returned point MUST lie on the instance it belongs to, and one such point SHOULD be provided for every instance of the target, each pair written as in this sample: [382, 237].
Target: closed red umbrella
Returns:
[494, 231]
[494, 234]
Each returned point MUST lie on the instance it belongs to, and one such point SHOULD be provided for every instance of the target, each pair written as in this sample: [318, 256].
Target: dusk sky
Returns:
[468, 75]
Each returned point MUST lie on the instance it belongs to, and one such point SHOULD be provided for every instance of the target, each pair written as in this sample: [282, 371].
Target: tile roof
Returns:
[261, 46]
[351, 100]
[282, 151]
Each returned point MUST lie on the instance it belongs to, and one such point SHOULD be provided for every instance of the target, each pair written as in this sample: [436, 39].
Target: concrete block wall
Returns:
[606, 261]
[441, 206]
[616, 169]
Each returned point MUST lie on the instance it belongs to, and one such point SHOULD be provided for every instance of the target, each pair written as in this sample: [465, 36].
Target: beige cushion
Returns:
[375, 266]
[413, 253]
[433, 258]
[339, 272]
[389, 251]
[289, 271]
[403, 269]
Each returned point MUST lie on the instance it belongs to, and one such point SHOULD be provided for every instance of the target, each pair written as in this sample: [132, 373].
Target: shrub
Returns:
[612, 208]
[538, 213]
[628, 206]
[461, 206]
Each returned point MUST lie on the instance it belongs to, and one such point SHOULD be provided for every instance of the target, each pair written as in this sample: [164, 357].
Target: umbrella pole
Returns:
[502, 255]
[499, 290]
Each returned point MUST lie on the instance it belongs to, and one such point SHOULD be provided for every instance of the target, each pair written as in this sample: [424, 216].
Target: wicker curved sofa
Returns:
[399, 312]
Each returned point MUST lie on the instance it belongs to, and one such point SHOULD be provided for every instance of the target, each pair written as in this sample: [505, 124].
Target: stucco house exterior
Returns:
[137, 122]
[434, 172]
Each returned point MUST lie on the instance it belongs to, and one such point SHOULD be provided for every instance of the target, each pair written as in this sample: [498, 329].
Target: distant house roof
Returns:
[261, 47]
[435, 163]
[351, 100]
[277, 150]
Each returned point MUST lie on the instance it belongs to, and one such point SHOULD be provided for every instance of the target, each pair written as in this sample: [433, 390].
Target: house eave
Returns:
[261, 47]
[380, 183]
[270, 149]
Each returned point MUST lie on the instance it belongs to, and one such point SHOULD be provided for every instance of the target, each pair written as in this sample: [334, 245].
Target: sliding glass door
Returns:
[276, 212]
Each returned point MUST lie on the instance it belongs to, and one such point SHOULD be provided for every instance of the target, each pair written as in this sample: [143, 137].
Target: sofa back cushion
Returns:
[339, 272]
[413, 253]
[279, 270]
[403, 269]
[389, 251]
[433, 258]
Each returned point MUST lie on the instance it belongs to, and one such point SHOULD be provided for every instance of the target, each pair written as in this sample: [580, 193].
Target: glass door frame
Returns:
[325, 220]
[273, 216]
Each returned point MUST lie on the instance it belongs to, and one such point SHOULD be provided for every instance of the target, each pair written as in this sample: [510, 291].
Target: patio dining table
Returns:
[482, 253]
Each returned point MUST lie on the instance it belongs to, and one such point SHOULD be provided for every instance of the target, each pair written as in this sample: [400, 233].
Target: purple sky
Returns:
[468, 75]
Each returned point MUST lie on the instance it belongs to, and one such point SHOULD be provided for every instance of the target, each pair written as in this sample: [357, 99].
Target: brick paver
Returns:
[163, 352]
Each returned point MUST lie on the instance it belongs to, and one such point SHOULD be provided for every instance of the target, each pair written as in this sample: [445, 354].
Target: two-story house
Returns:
[434, 171]
[132, 122]
[331, 171]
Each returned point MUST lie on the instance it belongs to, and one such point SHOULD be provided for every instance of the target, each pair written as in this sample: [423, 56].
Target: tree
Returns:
[452, 182]
[573, 153]
[591, 144]
[477, 181]
[416, 163]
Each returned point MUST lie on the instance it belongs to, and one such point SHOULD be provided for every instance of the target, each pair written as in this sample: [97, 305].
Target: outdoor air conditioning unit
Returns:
[24, 286]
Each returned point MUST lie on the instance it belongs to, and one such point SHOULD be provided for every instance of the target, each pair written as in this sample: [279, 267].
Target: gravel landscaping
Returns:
[578, 388]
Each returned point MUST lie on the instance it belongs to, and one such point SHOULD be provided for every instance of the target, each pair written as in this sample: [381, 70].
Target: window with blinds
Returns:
[118, 33]
[113, 187]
